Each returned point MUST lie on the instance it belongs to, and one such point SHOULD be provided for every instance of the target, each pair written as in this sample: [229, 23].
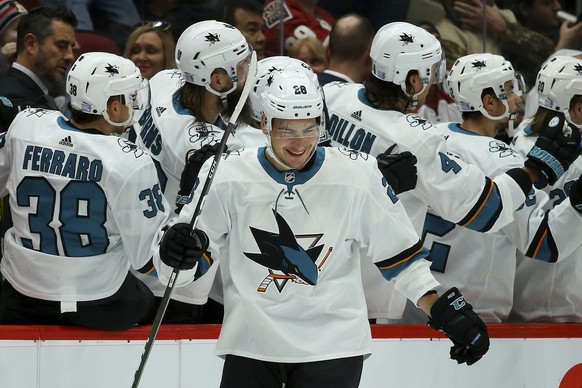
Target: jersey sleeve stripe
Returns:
[147, 269]
[486, 211]
[543, 247]
[393, 266]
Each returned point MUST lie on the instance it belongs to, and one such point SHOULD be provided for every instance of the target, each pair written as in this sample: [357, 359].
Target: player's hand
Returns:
[454, 316]
[194, 161]
[180, 249]
[556, 148]
[398, 169]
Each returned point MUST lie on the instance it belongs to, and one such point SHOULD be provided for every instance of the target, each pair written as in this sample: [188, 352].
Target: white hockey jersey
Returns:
[290, 261]
[457, 191]
[85, 207]
[483, 265]
[549, 292]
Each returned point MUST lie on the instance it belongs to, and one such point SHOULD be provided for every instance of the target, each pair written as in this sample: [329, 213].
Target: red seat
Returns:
[89, 41]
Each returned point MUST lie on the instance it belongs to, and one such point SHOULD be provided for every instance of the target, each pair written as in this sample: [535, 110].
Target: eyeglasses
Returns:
[156, 25]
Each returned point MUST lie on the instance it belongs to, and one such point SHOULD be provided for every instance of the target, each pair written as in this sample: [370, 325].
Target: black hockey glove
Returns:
[194, 161]
[557, 146]
[575, 195]
[398, 169]
[454, 316]
[181, 250]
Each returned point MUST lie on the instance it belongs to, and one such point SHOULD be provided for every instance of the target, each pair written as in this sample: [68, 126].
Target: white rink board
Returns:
[395, 363]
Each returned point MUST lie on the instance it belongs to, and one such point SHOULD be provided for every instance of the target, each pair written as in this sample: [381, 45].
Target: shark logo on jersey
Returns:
[212, 38]
[578, 68]
[203, 134]
[417, 121]
[129, 147]
[284, 258]
[479, 64]
[38, 112]
[353, 154]
[405, 38]
[502, 149]
[111, 70]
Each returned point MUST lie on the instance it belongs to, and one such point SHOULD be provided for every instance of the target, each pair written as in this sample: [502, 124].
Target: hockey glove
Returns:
[179, 249]
[398, 169]
[454, 316]
[557, 146]
[576, 195]
[194, 161]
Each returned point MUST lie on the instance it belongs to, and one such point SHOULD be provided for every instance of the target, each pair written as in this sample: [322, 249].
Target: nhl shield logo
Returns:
[290, 177]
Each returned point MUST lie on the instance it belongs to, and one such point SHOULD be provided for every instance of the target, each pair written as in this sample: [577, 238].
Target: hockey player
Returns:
[406, 60]
[295, 313]
[487, 91]
[186, 111]
[86, 206]
[542, 293]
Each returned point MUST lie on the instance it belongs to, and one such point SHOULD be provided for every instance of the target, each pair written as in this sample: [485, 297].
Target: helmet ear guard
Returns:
[97, 76]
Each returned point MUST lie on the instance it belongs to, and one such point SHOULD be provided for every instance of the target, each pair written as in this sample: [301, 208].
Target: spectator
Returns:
[311, 51]
[46, 37]
[526, 44]
[376, 11]
[186, 114]
[301, 19]
[348, 52]
[554, 294]
[114, 18]
[66, 260]
[272, 276]
[10, 14]
[247, 17]
[152, 48]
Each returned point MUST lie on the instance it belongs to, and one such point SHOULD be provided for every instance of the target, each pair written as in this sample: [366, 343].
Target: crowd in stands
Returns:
[45, 45]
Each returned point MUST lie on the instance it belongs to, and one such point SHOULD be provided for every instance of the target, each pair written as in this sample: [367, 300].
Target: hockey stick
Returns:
[170, 287]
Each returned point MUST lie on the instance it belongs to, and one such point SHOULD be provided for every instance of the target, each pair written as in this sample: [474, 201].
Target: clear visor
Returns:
[439, 69]
[514, 86]
[242, 68]
[286, 132]
[139, 99]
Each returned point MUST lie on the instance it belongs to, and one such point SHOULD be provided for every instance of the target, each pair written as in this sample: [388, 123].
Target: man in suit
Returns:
[348, 51]
[45, 40]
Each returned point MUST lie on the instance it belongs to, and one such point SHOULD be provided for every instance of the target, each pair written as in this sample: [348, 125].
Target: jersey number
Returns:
[439, 252]
[448, 164]
[79, 222]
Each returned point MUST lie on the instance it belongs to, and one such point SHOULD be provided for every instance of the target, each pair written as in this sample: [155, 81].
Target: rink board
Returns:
[404, 356]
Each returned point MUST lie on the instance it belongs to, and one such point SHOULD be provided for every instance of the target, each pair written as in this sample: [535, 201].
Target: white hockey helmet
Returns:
[400, 47]
[291, 94]
[97, 76]
[471, 74]
[265, 67]
[559, 79]
[209, 45]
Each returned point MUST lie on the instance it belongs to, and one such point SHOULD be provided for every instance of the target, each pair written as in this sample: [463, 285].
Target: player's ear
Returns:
[414, 83]
[488, 101]
[220, 81]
